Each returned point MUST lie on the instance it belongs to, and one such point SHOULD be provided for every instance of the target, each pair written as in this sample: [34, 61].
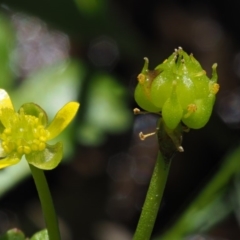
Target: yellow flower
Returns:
[26, 133]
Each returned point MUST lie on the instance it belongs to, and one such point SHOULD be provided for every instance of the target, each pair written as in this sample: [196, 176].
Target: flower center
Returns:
[24, 134]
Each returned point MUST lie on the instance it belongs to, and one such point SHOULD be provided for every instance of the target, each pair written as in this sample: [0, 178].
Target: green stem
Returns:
[46, 202]
[153, 199]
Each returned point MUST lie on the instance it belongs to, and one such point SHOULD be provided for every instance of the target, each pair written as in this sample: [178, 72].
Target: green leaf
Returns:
[13, 234]
[48, 158]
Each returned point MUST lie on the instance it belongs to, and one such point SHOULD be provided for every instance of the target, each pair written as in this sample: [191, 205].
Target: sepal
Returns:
[47, 159]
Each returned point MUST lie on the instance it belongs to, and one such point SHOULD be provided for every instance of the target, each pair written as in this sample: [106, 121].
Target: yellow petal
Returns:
[8, 161]
[5, 101]
[62, 119]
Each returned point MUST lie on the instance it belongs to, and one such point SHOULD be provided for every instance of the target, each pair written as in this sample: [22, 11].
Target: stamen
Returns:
[180, 149]
[26, 149]
[7, 147]
[25, 134]
[34, 147]
[137, 111]
[40, 117]
[144, 136]
[21, 111]
[214, 88]
[20, 149]
[42, 139]
[41, 146]
[191, 108]
[7, 131]
[141, 78]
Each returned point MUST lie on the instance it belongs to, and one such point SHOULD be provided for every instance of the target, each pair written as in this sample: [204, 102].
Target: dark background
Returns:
[100, 190]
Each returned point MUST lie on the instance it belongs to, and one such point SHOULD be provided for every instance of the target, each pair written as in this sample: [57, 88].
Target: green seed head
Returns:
[180, 89]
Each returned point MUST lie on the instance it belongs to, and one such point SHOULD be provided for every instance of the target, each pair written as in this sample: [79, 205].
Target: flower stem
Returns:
[153, 199]
[46, 202]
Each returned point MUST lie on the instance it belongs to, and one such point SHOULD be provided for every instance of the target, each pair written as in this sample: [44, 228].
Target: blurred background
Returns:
[52, 52]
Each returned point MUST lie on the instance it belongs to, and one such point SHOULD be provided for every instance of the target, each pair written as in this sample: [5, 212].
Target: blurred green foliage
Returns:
[213, 204]
[105, 110]
[13, 234]
[16, 234]
[42, 235]
[104, 100]
[90, 7]
[7, 40]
